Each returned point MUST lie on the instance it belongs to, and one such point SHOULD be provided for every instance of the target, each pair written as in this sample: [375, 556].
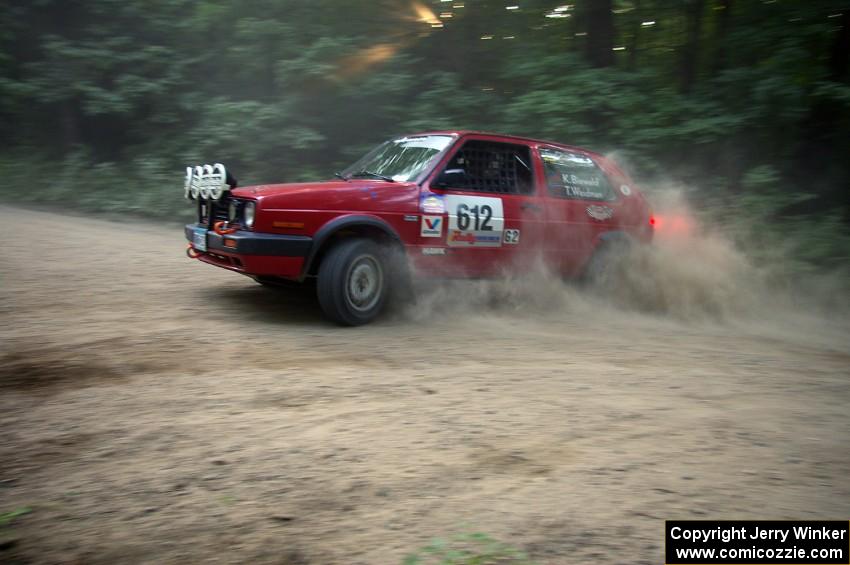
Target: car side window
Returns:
[489, 166]
[574, 175]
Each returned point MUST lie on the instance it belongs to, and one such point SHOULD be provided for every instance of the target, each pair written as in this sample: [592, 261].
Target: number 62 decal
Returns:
[511, 237]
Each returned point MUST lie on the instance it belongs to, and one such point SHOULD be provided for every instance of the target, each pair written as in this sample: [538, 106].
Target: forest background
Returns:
[744, 105]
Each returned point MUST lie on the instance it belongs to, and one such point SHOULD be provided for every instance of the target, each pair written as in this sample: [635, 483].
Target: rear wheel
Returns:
[605, 267]
[353, 283]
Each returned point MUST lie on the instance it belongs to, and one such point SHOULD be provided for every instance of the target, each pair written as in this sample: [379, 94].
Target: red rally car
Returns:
[440, 204]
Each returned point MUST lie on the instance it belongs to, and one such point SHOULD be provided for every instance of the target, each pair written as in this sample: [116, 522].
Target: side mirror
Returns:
[452, 177]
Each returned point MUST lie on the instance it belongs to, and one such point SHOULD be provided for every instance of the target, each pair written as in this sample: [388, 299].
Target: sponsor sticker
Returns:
[199, 239]
[624, 188]
[460, 238]
[432, 204]
[433, 251]
[432, 226]
[599, 212]
[474, 221]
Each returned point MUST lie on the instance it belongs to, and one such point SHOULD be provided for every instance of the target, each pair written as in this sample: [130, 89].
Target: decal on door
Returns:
[433, 251]
[432, 204]
[432, 226]
[511, 237]
[474, 221]
[599, 212]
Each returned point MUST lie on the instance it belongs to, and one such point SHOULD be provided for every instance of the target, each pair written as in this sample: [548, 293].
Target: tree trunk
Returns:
[721, 53]
[690, 52]
[823, 135]
[839, 69]
[599, 25]
[637, 23]
[70, 128]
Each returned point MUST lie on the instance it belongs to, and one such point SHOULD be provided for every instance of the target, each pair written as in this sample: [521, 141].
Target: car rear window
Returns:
[574, 175]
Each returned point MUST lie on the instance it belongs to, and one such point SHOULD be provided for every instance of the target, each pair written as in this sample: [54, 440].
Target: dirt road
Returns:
[155, 409]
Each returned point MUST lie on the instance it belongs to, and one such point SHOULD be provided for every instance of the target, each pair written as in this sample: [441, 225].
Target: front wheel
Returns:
[353, 282]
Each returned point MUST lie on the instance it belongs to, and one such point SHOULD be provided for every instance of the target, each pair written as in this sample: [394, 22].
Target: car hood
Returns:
[356, 194]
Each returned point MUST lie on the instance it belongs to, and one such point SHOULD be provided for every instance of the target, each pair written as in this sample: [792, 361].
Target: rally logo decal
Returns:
[599, 212]
[432, 204]
[474, 221]
[432, 226]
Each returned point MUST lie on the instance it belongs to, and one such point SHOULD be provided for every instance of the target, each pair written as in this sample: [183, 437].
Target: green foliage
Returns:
[8, 517]
[143, 187]
[467, 549]
[446, 104]
[114, 98]
[766, 223]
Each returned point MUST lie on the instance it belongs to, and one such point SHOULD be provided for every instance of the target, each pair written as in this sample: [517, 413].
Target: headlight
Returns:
[250, 209]
[231, 211]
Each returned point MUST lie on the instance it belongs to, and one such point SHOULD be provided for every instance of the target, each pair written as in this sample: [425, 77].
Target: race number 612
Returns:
[481, 215]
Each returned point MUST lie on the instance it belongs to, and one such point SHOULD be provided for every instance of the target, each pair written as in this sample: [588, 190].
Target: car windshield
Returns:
[401, 159]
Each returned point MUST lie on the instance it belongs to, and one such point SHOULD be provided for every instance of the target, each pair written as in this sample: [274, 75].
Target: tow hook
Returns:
[223, 228]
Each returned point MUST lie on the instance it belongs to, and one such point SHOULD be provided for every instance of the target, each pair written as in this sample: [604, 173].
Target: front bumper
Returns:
[254, 253]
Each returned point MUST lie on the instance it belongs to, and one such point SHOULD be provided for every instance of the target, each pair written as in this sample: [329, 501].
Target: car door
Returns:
[581, 205]
[494, 220]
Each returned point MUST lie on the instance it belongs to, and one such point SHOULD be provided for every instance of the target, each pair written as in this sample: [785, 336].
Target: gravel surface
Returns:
[156, 409]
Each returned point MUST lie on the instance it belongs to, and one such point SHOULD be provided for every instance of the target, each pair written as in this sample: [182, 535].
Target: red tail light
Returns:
[674, 224]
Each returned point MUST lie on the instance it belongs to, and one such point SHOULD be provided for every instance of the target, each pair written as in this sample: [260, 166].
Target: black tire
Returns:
[605, 267]
[353, 282]
[401, 291]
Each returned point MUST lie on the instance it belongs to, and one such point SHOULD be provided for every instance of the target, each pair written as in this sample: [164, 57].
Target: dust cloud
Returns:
[691, 272]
